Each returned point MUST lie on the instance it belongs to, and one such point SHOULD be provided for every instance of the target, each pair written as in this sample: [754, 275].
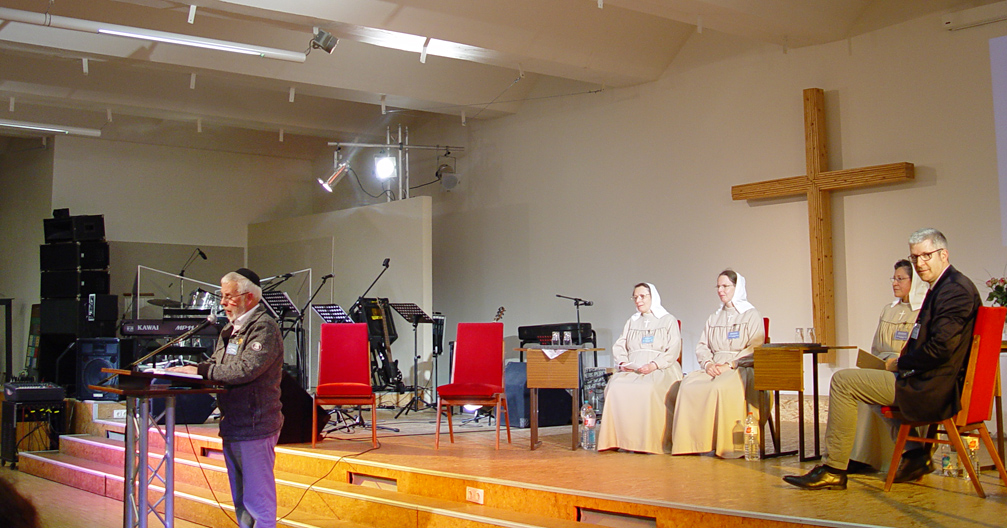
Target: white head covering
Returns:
[655, 304]
[740, 300]
[917, 291]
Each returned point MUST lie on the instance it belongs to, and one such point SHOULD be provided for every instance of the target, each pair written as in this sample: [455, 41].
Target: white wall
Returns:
[25, 181]
[177, 195]
[589, 194]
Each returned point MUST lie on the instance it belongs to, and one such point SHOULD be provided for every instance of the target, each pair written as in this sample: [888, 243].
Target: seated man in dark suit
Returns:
[925, 381]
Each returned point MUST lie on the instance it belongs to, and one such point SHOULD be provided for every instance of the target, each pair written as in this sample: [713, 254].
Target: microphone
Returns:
[201, 254]
[385, 263]
[326, 277]
[210, 319]
[286, 275]
[587, 303]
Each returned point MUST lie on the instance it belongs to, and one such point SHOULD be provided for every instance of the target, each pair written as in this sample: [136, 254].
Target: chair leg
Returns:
[900, 444]
[956, 441]
[451, 426]
[506, 419]
[497, 406]
[374, 421]
[992, 450]
[314, 421]
[437, 431]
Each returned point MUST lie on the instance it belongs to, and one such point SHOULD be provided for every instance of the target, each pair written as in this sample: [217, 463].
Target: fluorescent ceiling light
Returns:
[55, 129]
[90, 26]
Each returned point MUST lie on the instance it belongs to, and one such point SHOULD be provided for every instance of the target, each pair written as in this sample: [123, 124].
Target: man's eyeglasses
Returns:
[227, 297]
[925, 257]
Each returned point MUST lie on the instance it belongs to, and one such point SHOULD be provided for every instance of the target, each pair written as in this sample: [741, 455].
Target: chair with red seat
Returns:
[977, 400]
[344, 372]
[477, 375]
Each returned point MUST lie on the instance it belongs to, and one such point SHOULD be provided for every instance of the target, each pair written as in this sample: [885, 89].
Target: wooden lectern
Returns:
[562, 372]
[139, 390]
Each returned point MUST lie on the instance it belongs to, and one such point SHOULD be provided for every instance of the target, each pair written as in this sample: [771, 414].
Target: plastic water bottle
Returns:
[751, 437]
[970, 457]
[589, 426]
[738, 435]
[948, 468]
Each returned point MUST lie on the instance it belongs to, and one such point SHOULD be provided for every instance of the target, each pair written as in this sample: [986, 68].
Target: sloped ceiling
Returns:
[483, 56]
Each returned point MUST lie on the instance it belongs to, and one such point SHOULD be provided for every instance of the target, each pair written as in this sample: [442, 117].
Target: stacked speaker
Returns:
[75, 292]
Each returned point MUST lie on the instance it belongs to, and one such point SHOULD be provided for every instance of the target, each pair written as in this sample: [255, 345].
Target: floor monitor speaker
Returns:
[297, 408]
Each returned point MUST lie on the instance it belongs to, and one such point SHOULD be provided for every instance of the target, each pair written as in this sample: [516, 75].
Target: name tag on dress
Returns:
[734, 334]
[901, 335]
[916, 331]
[647, 340]
[232, 348]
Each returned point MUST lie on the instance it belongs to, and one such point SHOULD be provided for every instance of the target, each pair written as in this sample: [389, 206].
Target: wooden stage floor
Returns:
[741, 490]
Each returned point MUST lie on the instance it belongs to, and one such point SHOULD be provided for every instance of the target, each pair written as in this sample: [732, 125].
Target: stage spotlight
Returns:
[446, 175]
[336, 175]
[324, 40]
[384, 167]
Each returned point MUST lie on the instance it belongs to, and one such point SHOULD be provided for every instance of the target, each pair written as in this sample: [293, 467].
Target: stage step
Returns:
[95, 464]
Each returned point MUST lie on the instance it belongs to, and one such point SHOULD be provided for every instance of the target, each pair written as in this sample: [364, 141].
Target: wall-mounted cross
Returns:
[818, 185]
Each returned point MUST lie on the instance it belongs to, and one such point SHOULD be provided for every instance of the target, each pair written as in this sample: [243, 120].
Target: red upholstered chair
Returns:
[477, 376]
[977, 400]
[344, 372]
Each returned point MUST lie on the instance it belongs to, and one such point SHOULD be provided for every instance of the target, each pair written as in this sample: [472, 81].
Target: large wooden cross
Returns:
[818, 185]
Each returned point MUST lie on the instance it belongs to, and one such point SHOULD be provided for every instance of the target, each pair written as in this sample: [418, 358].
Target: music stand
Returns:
[331, 313]
[279, 304]
[415, 315]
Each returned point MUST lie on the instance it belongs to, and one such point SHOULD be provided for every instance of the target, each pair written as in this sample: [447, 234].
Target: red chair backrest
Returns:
[989, 328]
[343, 355]
[478, 354]
[765, 322]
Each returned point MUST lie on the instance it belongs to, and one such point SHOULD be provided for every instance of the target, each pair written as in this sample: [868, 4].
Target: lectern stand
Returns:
[139, 390]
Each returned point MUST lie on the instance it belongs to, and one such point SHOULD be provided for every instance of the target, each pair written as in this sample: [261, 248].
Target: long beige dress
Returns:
[875, 442]
[636, 416]
[707, 408]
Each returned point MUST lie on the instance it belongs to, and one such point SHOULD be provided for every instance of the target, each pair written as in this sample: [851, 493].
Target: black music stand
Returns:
[331, 313]
[415, 315]
[279, 304]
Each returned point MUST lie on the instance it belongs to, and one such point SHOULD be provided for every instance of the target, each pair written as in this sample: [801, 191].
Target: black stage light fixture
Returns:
[324, 40]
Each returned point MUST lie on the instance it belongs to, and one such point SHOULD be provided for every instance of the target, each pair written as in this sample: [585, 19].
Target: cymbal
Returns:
[165, 303]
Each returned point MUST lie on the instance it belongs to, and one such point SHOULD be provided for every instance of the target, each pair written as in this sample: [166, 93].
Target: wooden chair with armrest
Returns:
[981, 377]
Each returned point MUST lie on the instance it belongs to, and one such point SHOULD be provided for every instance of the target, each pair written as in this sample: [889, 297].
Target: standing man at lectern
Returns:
[249, 359]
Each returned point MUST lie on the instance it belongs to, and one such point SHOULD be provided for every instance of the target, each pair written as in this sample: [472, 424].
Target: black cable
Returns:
[361, 185]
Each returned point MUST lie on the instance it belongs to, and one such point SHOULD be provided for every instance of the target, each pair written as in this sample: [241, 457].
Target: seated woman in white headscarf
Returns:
[712, 400]
[636, 416]
[873, 445]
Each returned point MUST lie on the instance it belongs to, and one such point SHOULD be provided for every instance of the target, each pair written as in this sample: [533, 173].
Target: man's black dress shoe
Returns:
[913, 468]
[822, 477]
[856, 467]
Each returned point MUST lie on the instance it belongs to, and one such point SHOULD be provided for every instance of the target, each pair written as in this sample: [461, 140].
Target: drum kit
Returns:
[198, 299]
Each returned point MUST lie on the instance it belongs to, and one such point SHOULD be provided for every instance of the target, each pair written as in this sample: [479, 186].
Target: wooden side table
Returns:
[563, 372]
[780, 366]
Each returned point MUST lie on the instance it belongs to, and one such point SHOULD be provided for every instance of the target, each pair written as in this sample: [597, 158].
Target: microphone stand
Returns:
[192, 257]
[298, 326]
[577, 303]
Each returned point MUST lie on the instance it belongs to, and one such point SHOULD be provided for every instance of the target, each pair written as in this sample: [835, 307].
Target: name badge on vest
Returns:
[232, 348]
[647, 340]
[734, 334]
[901, 335]
[916, 331]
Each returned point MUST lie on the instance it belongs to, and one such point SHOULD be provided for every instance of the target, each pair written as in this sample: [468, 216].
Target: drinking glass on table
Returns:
[799, 335]
[811, 335]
